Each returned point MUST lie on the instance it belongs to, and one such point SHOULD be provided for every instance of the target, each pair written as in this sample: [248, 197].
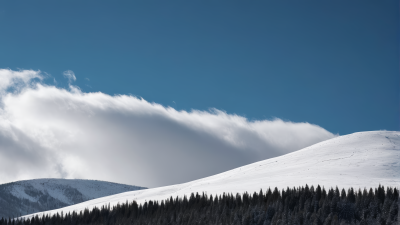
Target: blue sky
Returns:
[334, 64]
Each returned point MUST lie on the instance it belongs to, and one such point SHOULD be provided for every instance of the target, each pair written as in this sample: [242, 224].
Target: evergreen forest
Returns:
[302, 206]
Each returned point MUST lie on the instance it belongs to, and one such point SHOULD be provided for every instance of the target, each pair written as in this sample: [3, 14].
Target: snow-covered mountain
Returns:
[358, 160]
[30, 196]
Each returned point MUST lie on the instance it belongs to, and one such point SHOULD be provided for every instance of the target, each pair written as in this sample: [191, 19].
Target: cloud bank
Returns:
[46, 131]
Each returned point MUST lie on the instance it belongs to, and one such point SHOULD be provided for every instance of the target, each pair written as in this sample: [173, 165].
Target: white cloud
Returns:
[70, 75]
[17, 79]
[47, 131]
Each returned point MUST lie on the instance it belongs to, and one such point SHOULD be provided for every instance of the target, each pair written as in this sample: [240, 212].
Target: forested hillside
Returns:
[291, 206]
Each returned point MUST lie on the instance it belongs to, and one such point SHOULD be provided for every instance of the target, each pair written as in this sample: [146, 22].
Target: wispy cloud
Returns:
[70, 75]
[46, 131]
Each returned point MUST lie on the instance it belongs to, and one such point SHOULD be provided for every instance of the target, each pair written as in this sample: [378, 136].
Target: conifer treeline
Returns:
[291, 206]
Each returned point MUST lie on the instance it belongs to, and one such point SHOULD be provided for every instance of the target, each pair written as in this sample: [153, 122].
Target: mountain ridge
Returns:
[30, 196]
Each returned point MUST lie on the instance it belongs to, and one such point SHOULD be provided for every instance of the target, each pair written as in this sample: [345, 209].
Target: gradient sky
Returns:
[330, 63]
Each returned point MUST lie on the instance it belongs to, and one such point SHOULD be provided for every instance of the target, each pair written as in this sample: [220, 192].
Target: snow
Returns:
[359, 160]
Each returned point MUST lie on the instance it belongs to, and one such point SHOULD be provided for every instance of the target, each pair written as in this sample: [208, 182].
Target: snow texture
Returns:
[359, 160]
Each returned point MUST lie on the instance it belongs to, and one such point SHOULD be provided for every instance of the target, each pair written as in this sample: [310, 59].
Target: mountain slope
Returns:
[29, 196]
[358, 160]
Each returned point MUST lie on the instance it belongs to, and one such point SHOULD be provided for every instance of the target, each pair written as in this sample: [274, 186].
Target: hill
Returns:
[364, 159]
[30, 196]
